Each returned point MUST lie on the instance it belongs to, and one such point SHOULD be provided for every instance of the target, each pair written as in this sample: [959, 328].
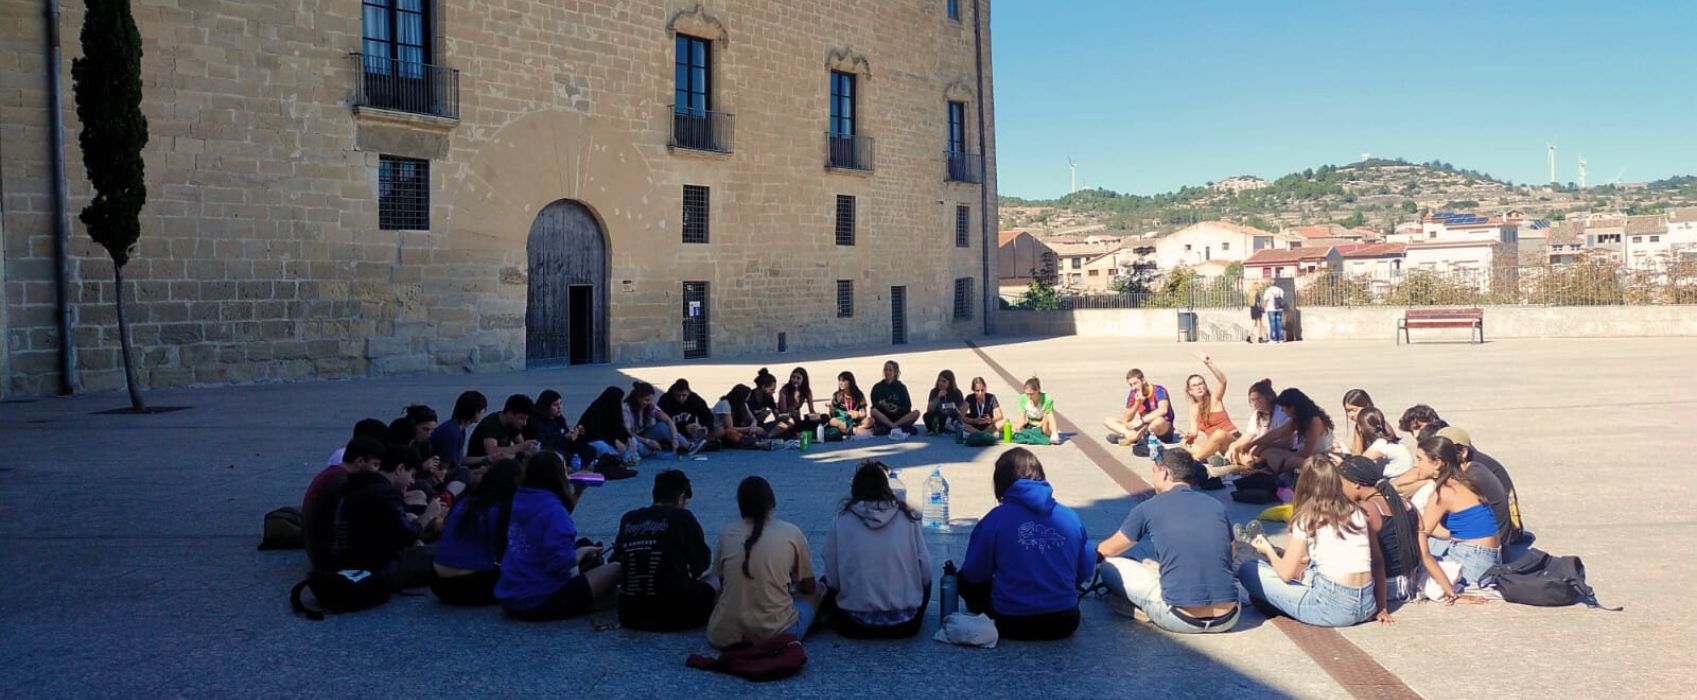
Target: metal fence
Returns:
[964, 167]
[1580, 284]
[703, 130]
[848, 151]
[406, 86]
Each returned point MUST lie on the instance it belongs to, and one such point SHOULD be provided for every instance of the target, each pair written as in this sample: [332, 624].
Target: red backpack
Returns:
[774, 659]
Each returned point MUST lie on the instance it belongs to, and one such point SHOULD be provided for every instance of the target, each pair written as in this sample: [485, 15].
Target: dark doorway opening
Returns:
[696, 342]
[581, 312]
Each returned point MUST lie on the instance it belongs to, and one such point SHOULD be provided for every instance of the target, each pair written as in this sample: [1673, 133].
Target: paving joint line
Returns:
[1356, 671]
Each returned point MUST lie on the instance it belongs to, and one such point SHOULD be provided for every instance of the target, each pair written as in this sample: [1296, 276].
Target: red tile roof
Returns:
[1371, 250]
[1287, 256]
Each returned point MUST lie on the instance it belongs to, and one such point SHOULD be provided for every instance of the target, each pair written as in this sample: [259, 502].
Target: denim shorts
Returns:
[804, 618]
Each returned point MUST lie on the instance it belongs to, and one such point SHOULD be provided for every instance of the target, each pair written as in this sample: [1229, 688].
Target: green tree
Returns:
[1427, 288]
[1408, 206]
[107, 83]
[1260, 223]
[1354, 220]
[1462, 204]
[1337, 289]
[1039, 296]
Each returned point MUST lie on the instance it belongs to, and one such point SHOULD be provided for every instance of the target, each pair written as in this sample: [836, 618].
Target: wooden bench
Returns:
[1440, 318]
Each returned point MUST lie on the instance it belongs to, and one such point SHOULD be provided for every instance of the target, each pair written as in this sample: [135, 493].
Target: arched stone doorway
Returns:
[565, 320]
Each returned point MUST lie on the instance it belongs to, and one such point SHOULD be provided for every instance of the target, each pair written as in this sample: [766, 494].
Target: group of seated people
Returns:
[1368, 520]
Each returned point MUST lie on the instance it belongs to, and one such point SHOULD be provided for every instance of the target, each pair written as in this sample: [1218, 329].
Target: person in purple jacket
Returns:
[545, 575]
[1028, 557]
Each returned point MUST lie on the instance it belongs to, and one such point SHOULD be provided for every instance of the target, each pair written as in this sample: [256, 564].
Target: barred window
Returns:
[403, 194]
[963, 299]
[845, 220]
[963, 226]
[695, 214]
[845, 298]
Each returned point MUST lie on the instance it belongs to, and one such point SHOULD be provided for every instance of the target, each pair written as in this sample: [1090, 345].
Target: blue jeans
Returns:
[804, 620]
[1474, 560]
[1141, 586]
[1276, 326]
[1315, 600]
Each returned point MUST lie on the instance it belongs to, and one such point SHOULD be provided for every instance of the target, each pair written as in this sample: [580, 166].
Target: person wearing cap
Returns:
[1188, 587]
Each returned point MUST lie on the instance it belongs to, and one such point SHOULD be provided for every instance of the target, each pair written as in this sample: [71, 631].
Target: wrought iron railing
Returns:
[964, 167]
[406, 86]
[848, 151]
[702, 130]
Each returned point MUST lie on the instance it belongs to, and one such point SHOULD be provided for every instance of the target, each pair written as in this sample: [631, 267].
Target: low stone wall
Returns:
[1363, 323]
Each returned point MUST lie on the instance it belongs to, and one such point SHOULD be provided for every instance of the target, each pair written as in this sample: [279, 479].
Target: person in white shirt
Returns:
[1375, 439]
[1331, 574]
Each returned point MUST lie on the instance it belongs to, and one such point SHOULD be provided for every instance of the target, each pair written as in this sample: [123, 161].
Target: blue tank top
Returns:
[1471, 524]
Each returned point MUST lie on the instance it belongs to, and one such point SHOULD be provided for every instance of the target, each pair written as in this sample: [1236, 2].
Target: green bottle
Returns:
[806, 440]
[1007, 433]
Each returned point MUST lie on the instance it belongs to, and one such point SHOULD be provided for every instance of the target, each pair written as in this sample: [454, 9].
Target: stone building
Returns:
[343, 188]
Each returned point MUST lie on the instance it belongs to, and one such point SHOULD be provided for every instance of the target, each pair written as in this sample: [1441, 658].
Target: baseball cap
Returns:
[1456, 435]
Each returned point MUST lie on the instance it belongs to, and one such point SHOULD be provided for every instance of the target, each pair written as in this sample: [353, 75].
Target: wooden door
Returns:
[566, 249]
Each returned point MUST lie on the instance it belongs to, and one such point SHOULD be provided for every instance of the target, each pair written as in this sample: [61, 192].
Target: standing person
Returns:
[1274, 299]
[877, 567]
[1331, 574]
[1189, 586]
[1377, 441]
[1390, 520]
[324, 496]
[736, 424]
[1310, 427]
[1212, 429]
[545, 575]
[795, 404]
[1029, 555]
[501, 435]
[1258, 332]
[651, 430]
[448, 440]
[1462, 526]
[664, 558]
[603, 426]
[892, 406]
[983, 412]
[373, 530]
[759, 558]
[1245, 453]
[1148, 411]
[474, 539]
[1037, 410]
[942, 407]
[849, 412]
[690, 414]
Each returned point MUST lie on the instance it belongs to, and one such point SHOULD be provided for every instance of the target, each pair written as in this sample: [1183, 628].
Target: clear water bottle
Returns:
[577, 462]
[897, 487]
[936, 500]
[948, 594]
[1156, 449]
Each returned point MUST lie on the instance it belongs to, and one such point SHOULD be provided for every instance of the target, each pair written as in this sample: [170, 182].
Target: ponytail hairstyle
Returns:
[764, 380]
[1366, 472]
[1264, 389]
[1033, 384]
[756, 502]
[1320, 500]
[1444, 451]
[1357, 398]
[871, 484]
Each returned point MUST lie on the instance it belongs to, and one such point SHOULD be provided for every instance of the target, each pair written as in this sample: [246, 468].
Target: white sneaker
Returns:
[897, 435]
[1055, 439]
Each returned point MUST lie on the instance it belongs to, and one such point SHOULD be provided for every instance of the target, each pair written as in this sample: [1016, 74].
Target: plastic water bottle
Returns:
[1156, 449]
[577, 463]
[1007, 433]
[819, 433]
[806, 440]
[897, 487]
[948, 595]
[936, 500]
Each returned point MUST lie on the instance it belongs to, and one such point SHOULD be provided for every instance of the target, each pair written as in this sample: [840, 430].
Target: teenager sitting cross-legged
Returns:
[1029, 555]
[474, 538]
[892, 406]
[664, 561]
[759, 561]
[877, 567]
[545, 575]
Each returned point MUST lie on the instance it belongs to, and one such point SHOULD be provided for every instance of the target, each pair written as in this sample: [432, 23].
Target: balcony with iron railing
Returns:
[964, 167]
[848, 151]
[702, 130]
[409, 87]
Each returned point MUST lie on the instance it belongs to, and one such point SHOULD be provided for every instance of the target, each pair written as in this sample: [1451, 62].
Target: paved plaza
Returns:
[127, 542]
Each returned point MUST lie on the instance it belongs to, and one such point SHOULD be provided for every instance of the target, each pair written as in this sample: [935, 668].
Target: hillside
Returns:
[1378, 193]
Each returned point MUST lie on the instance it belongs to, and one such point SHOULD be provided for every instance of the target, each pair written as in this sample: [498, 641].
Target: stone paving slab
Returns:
[128, 541]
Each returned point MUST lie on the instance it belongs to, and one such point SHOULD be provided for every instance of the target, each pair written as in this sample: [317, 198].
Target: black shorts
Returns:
[1254, 312]
[470, 590]
[571, 600]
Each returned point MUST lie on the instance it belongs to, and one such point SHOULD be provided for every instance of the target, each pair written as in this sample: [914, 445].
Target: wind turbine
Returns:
[1619, 173]
[1582, 172]
[1073, 166]
[1552, 148]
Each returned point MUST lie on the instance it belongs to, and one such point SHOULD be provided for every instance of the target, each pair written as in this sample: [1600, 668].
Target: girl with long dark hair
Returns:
[877, 567]
[1028, 556]
[849, 412]
[1462, 527]
[603, 423]
[474, 539]
[943, 406]
[1376, 440]
[738, 427]
[795, 404]
[1391, 521]
[651, 430]
[1331, 574]
[982, 412]
[544, 575]
[757, 560]
[1309, 429]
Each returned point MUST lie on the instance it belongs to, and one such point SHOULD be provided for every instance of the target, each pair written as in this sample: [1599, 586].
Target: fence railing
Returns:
[702, 130]
[848, 151]
[406, 86]
[964, 167]
[1579, 284]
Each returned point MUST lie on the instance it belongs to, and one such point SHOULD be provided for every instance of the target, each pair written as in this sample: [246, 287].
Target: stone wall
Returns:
[261, 258]
[1363, 323]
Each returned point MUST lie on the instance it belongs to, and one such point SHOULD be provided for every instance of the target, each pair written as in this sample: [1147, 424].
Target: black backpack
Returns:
[340, 592]
[1538, 578]
[283, 530]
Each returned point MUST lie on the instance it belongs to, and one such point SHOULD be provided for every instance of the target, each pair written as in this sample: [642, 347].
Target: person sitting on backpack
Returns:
[1461, 523]
[374, 531]
[759, 559]
[474, 538]
[1027, 557]
[323, 496]
[545, 575]
[1188, 586]
[663, 557]
[1331, 574]
[877, 567]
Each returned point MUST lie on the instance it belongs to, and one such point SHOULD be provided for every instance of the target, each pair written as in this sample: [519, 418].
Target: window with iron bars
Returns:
[963, 226]
[695, 214]
[845, 220]
[963, 299]
[845, 298]
[403, 194]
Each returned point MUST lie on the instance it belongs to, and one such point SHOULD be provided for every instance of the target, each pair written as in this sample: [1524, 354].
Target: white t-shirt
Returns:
[1396, 459]
[1268, 297]
[1423, 495]
[1278, 418]
[1339, 557]
[335, 457]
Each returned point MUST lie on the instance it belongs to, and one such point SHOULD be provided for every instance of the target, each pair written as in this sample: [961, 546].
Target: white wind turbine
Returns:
[1582, 172]
[1073, 166]
[1552, 148]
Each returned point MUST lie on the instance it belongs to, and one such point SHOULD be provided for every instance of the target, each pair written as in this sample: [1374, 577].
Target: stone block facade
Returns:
[262, 258]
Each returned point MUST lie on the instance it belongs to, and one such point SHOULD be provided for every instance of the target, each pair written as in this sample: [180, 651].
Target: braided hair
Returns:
[1366, 472]
[756, 502]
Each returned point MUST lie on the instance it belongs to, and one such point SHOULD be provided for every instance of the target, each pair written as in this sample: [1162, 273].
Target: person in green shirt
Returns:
[892, 407]
[1036, 410]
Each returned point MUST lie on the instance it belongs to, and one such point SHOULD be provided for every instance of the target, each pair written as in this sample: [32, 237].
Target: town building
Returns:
[1216, 240]
[1646, 245]
[1299, 263]
[1376, 261]
[1240, 183]
[1682, 234]
[1460, 257]
[343, 189]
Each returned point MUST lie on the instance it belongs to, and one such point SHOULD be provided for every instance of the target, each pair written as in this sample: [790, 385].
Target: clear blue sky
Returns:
[1149, 96]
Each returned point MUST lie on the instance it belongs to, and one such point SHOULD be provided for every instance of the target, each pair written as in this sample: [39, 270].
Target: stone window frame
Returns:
[696, 22]
[847, 60]
[963, 299]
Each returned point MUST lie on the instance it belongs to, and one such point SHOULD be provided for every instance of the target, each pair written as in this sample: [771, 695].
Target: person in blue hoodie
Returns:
[544, 575]
[1028, 557]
